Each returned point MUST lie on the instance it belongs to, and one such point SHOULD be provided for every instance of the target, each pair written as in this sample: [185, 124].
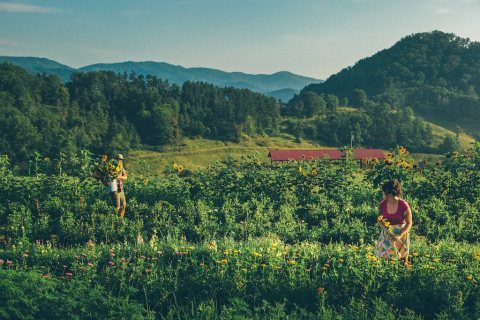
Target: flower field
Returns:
[240, 240]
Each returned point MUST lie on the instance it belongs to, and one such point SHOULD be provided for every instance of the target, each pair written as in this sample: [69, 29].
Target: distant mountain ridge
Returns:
[281, 85]
[41, 65]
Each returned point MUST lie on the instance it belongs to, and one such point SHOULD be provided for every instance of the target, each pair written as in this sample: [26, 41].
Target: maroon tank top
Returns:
[397, 217]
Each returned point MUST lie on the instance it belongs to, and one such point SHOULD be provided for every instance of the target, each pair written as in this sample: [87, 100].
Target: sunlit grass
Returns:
[195, 154]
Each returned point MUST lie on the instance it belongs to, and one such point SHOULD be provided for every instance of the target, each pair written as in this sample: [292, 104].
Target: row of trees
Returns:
[372, 124]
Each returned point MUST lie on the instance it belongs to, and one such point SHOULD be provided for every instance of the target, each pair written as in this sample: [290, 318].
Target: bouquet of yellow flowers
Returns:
[107, 170]
[388, 226]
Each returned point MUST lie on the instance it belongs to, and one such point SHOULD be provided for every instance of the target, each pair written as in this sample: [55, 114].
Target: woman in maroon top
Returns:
[395, 220]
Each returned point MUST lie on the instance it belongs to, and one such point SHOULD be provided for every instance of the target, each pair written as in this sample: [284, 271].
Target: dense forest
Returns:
[432, 73]
[104, 111]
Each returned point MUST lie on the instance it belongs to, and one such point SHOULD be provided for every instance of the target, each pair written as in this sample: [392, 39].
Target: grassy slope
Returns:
[469, 125]
[439, 133]
[200, 153]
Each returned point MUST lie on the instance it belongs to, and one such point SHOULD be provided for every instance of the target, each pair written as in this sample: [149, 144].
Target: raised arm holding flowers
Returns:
[112, 174]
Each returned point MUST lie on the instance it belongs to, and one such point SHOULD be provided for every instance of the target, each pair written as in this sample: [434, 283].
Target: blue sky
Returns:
[315, 38]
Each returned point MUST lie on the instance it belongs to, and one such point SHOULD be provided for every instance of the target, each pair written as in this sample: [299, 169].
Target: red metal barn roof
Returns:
[285, 155]
[332, 154]
[361, 154]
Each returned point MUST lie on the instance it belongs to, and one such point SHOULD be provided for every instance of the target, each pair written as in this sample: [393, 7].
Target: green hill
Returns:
[435, 73]
[40, 65]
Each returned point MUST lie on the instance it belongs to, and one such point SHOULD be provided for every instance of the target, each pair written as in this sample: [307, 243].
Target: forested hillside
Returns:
[104, 111]
[436, 74]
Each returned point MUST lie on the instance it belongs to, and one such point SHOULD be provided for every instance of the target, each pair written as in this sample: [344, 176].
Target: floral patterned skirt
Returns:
[388, 248]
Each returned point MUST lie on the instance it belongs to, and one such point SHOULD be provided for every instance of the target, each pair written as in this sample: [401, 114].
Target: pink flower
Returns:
[148, 270]
[1, 262]
[69, 274]
[9, 262]
[112, 253]
[77, 257]
[111, 263]
[45, 276]
[90, 264]
[25, 255]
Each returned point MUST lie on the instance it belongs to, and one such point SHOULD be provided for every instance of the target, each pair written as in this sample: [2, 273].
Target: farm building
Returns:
[332, 154]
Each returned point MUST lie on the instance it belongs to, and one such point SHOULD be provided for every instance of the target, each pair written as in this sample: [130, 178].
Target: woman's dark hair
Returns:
[393, 187]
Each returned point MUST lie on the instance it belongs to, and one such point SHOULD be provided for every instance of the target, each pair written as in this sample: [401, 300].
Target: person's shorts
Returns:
[118, 199]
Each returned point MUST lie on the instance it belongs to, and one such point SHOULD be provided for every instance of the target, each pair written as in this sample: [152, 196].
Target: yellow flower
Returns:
[402, 150]
[223, 261]
[469, 277]
[436, 260]
[326, 265]
[212, 245]
[341, 260]
[380, 218]
[292, 262]
[256, 254]
[263, 265]
[415, 254]
[180, 168]
[300, 169]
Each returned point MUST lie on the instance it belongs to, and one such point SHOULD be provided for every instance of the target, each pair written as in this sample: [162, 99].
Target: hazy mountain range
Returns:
[280, 85]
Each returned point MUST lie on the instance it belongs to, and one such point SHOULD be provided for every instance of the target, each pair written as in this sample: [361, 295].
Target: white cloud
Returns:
[25, 8]
[8, 42]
